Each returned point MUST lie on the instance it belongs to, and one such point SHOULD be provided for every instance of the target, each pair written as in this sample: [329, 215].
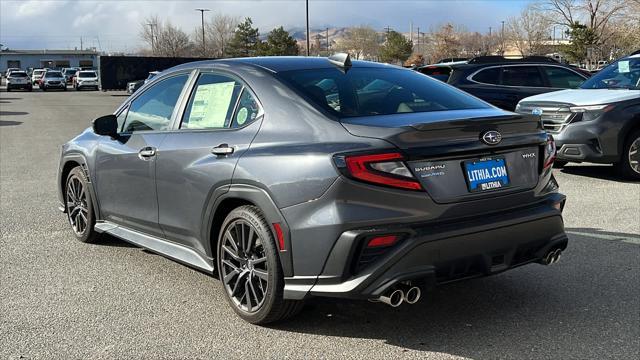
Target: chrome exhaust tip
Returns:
[552, 257]
[412, 295]
[393, 298]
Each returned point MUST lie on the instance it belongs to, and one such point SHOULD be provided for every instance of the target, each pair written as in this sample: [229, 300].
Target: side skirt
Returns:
[163, 247]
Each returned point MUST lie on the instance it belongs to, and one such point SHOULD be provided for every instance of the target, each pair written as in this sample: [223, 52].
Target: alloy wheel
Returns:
[77, 208]
[634, 155]
[244, 270]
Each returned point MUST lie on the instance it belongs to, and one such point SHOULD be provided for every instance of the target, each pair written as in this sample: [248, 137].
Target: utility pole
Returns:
[388, 30]
[418, 41]
[153, 46]
[502, 39]
[328, 44]
[80, 43]
[308, 35]
[204, 47]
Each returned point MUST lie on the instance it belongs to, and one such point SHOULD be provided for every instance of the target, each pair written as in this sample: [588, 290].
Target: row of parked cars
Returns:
[47, 79]
[592, 117]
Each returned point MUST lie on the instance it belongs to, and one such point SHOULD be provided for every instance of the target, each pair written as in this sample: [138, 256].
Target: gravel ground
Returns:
[61, 299]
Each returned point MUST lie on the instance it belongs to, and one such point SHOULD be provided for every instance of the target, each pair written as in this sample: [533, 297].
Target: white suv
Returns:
[85, 79]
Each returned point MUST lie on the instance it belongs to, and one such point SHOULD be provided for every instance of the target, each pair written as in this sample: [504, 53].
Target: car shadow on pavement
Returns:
[9, 123]
[585, 306]
[109, 240]
[602, 172]
[9, 98]
[7, 113]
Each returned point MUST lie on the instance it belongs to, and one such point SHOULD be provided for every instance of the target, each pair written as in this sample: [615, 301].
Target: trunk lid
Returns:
[443, 148]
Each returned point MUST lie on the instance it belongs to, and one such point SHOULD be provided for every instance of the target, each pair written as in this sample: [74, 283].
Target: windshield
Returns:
[622, 74]
[87, 74]
[16, 74]
[38, 72]
[377, 91]
[69, 71]
[53, 74]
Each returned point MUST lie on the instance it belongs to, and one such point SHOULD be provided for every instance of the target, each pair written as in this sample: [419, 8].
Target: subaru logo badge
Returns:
[536, 112]
[491, 137]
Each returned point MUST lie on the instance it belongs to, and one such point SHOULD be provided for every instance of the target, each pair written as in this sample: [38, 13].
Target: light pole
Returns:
[153, 47]
[204, 48]
[308, 45]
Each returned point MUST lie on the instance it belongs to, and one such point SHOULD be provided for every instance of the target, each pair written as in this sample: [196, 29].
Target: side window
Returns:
[562, 78]
[522, 76]
[212, 103]
[121, 117]
[248, 110]
[152, 110]
[488, 76]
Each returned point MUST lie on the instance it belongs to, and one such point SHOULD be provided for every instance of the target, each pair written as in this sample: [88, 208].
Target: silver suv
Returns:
[53, 79]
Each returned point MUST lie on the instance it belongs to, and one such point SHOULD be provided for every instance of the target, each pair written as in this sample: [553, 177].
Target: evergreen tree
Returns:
[279, 43]
[397, 48]
[582, 37]
[245, 41]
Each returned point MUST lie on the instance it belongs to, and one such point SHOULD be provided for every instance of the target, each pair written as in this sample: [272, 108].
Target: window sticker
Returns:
[623, 66]
[242, 116]
[210, 105]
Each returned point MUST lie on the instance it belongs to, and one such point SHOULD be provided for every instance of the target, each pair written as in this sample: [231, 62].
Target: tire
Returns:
[8, 89]
[79, 206]
[559, 164]
[254, 272]
[65, 88]
[629, 166]
[44, 88]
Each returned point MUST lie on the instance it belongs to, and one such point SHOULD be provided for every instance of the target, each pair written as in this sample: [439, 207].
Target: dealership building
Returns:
[54, 59]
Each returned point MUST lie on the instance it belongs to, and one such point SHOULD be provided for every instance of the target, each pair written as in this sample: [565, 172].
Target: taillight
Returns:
[549, 152]
[383, 169]
[382, 241]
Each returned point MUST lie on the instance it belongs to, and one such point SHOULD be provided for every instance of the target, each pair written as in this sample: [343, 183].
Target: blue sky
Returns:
[114, 25]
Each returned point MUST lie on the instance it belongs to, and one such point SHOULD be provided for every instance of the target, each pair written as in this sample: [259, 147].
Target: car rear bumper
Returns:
[19, 86]
[438, 253]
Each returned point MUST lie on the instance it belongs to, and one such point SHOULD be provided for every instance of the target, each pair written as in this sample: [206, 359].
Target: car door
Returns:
[196, 161]
[125, 166]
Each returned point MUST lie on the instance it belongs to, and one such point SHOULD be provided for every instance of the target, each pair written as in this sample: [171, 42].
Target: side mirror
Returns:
[106, 125]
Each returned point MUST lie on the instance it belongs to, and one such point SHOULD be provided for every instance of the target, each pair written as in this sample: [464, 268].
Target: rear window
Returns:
[18, 74]
[374, 91]
[488, 76]
[87, 74]
[437, 72]
[53, 74]
[38, 72]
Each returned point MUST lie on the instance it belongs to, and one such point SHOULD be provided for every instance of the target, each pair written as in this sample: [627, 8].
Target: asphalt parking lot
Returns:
[62, 299]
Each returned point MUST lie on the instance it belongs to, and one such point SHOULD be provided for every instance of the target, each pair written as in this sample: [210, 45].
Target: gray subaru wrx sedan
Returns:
[294, 177]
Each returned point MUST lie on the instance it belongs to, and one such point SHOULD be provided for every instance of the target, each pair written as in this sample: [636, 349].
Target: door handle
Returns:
[147, 152]
[222, 149]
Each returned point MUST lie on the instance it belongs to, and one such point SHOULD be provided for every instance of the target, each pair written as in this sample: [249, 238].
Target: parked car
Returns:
[86, 79]
[53, 79]
[135, 85]
[36, 76]
[18, 80]
[503, 81]
[9, 70]
[600, 122]
[69, 74]
[300, 191]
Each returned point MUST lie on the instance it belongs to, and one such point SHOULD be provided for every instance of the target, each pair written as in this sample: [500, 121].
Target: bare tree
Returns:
[165, 39]
[595, 14]
[446, 42]
[529, 31]
[220, 31]
[363, 42]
